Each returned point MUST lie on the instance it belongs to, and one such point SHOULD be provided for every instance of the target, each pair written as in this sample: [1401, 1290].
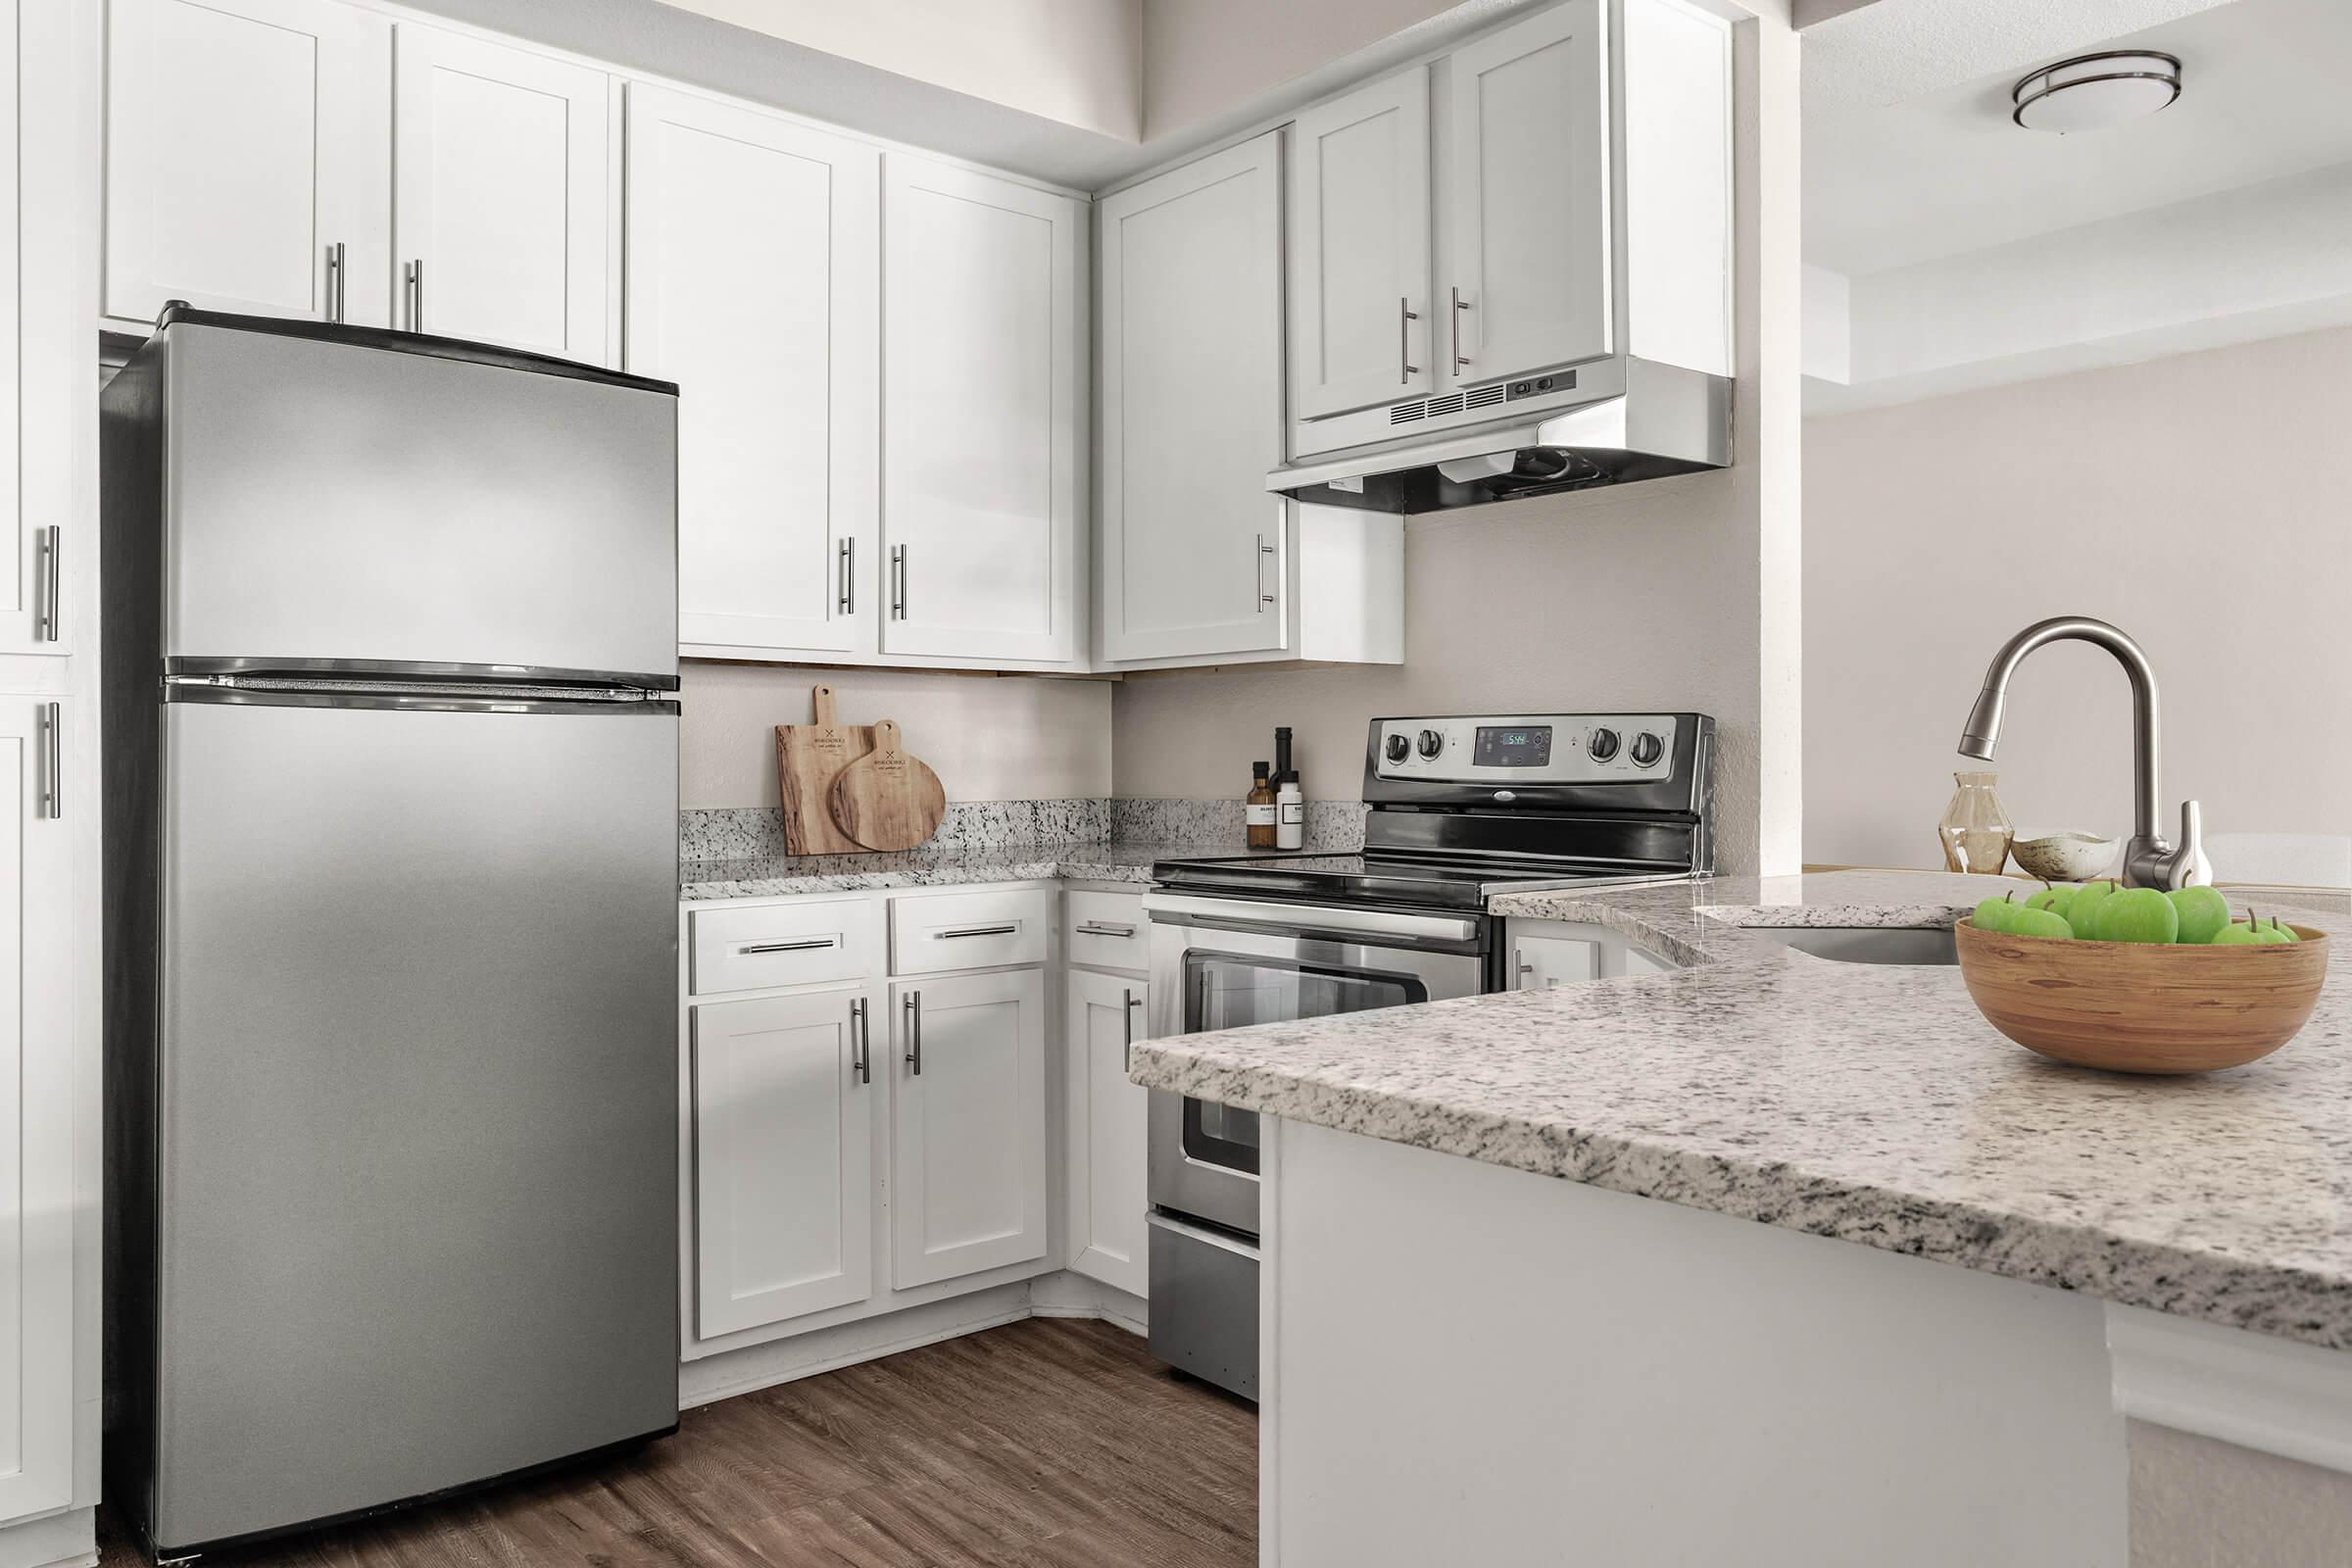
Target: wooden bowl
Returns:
[2139, 1007]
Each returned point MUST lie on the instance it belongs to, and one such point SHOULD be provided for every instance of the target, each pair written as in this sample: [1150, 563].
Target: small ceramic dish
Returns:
[2064, 857]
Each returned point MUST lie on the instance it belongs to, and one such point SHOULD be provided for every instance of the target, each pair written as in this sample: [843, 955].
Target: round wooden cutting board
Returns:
[888, 800]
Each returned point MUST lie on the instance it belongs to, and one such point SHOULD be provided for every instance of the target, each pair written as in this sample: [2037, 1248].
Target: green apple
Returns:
[2055, 898]
[2029, 923]
[1997, 916]
[2083, 909]
[2284, 929]
[2273, 935]
[2203, 912]
[2239, 934]
[2138, 914]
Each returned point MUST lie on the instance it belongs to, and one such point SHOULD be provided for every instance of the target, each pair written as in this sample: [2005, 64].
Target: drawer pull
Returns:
[793, 947]
[977, 931]
[1106, 928]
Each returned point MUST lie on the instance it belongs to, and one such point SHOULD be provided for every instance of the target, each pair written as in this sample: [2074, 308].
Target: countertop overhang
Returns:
[1870, 1104]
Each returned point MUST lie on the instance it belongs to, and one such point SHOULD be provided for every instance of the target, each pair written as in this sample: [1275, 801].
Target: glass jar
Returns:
[1976, 831]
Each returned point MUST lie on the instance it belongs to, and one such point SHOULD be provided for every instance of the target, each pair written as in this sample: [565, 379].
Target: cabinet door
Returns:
[503, 195]
[1359, 258]
[981, 432]
[36, 1113]
[968, 1141]
[1191, 272]
[783, 1156]
[1106, 1116]
[1541, 962]
[245, 140]
[735, 216]
[1526, 198]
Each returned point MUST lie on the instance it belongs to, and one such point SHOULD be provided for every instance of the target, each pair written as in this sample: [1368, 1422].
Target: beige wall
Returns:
[1203, 57]
[990, 737]
[2199, 502]
[1073, 61]
[2198, 1502]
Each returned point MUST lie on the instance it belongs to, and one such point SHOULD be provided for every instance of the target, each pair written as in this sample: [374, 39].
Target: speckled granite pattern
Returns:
[933, 865]
[746, 832]
[1865, 1103]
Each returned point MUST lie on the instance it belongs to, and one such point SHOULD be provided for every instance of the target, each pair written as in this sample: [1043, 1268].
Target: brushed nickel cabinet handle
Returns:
[334, 281]
[975, 931]
[1405, 317]
[1105, 928]
[793, 947]
[848, 596]
[1263, 551]
[914, 1031]
[52, 572]
[53, 763]
[1459, 358]
[1127, 1019]
[416, 287]
[861, 1061]
[898, 582]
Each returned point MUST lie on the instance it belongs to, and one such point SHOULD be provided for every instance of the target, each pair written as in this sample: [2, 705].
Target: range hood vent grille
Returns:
[1439, 407]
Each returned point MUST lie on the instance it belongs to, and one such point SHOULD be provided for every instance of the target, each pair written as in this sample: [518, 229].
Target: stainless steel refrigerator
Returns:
[390, 643]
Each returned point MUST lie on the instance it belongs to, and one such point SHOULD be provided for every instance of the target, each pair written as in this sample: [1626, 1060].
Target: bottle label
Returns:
[1258, 815]
[1292, 811]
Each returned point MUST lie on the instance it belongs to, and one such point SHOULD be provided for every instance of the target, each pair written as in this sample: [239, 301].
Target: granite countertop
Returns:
[936, 865]
[1870, 1104]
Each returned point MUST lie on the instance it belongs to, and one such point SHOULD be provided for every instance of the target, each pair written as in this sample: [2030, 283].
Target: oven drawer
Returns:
[1204, 1303]
[802, 943]
[1106, 930]
[938, 932]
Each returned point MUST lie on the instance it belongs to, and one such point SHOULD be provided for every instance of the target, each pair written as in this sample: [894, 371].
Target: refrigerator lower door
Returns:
[416, 1164]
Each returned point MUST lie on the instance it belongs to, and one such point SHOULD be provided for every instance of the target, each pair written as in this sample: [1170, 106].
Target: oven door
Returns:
[1226, 963]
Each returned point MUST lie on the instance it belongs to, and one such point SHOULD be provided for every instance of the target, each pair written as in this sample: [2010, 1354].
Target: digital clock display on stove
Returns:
[1521, 746]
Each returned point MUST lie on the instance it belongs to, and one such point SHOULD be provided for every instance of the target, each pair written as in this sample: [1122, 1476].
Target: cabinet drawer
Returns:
[969, 930]
[785, 944]
[1106, 930]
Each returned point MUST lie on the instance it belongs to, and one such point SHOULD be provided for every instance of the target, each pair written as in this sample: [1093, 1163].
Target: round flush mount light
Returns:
[2091, 92]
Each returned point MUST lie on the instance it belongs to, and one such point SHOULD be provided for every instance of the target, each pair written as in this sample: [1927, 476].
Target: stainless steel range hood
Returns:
[1666, 420]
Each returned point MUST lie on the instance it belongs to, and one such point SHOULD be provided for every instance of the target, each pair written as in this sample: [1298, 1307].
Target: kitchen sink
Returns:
[1851, 943]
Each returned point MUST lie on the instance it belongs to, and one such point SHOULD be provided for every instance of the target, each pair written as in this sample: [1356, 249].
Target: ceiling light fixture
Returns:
[2091, 92]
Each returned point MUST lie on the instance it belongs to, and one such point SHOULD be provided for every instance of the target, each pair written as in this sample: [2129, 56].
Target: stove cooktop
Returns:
[1403, 880]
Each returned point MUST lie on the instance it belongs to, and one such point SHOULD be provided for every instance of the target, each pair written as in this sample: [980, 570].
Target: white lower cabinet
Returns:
[36, 1112]
[785, 1132]
[1106, 1017]
[968, 1155]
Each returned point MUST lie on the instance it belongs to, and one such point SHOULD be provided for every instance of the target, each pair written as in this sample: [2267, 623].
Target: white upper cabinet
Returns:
[734, 215]
[1360, 302]
[248, 147]
[784, 1144]
[1526, 279]
[980, 484]
[503, 198]
[967, 1124]
[1192, 545]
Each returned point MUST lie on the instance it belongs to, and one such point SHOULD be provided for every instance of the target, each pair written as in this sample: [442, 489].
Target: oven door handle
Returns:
[1287, 918]
[1200, 1233]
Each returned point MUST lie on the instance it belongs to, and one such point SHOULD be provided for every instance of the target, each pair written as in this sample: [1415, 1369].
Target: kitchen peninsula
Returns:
[1647, 1269]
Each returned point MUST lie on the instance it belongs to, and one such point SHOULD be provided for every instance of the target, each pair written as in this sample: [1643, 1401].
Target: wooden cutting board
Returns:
[808, 758]
[887, 799]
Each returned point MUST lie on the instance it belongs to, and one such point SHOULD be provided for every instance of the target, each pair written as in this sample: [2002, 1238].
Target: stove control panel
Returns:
[1504, 749]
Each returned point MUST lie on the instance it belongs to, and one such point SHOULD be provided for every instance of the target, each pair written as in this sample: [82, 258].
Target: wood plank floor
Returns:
[1056, 1443]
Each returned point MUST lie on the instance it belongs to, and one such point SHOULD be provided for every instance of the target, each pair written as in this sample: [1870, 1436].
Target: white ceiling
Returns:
[1903, 165]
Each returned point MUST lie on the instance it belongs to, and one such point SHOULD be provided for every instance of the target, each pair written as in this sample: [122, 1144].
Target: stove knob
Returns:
[1431, 743]
[1601, 745]
[1396, 747]
[1648, 749]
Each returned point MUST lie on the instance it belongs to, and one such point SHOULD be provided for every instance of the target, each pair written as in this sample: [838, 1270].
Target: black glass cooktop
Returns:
[1404, 880]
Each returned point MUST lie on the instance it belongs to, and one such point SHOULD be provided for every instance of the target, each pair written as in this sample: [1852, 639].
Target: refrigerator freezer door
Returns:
[417, 1137]
[330, 501]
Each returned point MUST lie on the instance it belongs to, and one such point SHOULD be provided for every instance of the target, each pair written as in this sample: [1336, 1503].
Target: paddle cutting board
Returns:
[887, 799]
[808, 758]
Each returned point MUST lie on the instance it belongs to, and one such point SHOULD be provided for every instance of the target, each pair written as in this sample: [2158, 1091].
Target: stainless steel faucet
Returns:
[2149, 859]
